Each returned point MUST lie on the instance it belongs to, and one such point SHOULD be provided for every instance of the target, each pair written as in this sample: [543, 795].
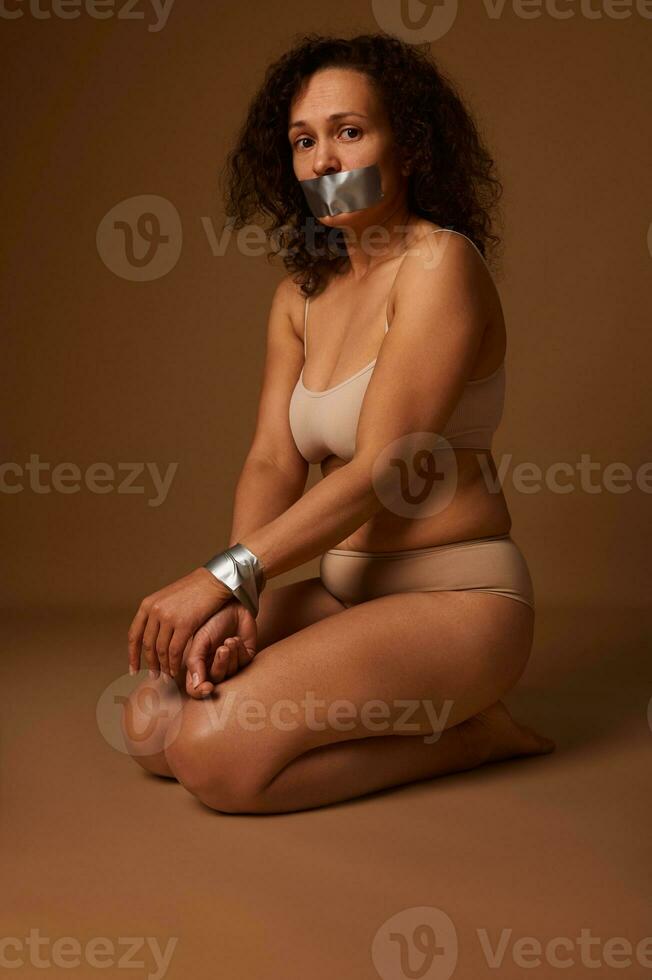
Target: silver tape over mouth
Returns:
[349, 190]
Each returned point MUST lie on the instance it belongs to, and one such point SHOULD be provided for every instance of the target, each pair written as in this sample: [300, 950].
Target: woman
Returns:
[385, 364]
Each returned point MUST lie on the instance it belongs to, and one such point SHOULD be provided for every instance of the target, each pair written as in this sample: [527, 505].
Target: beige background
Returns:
[99, 368]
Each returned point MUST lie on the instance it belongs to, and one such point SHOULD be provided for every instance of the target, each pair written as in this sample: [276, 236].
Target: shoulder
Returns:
[443, 280]
[443, 260]
[432, 246]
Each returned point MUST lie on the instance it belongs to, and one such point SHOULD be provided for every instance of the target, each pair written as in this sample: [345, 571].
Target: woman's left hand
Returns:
[167, 619]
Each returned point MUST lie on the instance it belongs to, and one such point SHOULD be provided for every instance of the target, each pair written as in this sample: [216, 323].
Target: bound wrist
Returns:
[241, 572]
[217, 586]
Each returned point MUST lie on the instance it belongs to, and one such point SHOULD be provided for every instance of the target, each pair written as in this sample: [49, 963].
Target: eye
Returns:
[299, 144]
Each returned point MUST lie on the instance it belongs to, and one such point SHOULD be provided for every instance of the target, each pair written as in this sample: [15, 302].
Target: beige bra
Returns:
[324, 423]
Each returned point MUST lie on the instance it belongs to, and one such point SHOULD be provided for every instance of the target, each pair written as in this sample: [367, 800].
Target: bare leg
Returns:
[153, 704]
[343, 770]
[280, 771]
[417, 649]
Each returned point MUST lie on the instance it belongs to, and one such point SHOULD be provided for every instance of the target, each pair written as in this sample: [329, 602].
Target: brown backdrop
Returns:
[116, 360]
[101, 368]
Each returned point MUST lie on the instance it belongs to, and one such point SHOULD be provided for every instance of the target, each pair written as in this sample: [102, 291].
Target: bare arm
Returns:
[423, 365]
[263, 491]
[272, 478]
[274, 474]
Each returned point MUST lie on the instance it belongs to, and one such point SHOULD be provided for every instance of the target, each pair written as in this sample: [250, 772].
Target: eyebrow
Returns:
[335, 115]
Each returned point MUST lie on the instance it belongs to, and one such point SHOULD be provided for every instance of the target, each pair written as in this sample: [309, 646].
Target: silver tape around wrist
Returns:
[242, 572]
[349, 190]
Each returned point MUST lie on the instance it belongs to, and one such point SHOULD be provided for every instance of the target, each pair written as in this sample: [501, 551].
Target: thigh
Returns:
[405, 663]
[290, 608]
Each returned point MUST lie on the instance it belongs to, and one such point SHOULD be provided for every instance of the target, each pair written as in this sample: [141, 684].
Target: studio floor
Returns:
[533, 867]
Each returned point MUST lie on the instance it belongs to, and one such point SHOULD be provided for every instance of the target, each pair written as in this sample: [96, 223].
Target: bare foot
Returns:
[495, 735]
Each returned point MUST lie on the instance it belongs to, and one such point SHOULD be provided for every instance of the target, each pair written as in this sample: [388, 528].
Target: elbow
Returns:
[406, 485]
[372, 482]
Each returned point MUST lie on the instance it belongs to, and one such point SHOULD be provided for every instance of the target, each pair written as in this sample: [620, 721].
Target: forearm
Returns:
[263, 491]
[327, 513]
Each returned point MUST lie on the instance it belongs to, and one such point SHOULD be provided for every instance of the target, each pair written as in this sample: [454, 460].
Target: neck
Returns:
[371, 244]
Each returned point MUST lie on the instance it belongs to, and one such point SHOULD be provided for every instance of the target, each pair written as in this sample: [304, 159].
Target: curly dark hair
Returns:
[452, 179]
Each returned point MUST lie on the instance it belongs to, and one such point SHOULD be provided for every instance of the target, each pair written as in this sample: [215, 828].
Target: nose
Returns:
[322, 171]
[326, 162]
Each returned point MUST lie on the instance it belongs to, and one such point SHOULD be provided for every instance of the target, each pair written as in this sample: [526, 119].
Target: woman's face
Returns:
[337, 123]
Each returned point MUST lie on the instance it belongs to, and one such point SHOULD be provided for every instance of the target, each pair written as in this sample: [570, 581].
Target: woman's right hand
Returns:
[225, 643]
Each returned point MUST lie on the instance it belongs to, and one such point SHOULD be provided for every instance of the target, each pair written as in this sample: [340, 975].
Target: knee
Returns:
[146, 721]
[221, 776]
